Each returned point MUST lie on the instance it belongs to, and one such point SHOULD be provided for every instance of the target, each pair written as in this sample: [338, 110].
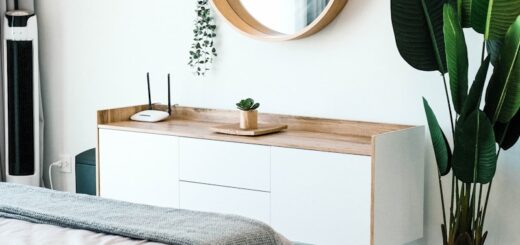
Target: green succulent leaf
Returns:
[503, 93]
[418, 33]
[247, 105]
[456, 57]
[474, 156]
[493, 17]
[255, 106]
[474, 98]
[441, 147]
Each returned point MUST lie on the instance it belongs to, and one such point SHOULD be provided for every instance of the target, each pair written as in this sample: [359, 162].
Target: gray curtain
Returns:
[314, 9]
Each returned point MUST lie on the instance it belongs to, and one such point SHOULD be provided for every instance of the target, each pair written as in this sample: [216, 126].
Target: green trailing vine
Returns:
[203, 51]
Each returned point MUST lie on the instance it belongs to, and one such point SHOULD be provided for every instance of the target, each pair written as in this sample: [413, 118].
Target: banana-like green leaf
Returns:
[503, 94]
[465, 12]
[493, 17]
[474, 98]
[418, 33]
[493, 49]
[456, 57]
[441, 147]
[463, 8]
[511, 136]
[474, 156]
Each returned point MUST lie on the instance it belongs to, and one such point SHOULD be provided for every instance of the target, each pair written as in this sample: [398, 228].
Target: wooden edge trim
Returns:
[241, 11]
[372, 191]
[124, 113]
[241, 21]
[224, 9]
[98, 189]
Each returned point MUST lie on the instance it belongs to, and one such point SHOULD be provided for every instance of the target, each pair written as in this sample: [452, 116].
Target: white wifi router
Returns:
[151, 115]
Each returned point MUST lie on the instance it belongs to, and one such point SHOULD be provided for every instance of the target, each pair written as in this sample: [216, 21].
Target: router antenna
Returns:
[169, 97]
[149, 93]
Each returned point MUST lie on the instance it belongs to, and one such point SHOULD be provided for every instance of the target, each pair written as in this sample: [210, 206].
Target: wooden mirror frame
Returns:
[238, 17]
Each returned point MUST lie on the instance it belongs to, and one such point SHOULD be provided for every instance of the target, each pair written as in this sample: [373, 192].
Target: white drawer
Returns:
[209, 198]
[223, 163]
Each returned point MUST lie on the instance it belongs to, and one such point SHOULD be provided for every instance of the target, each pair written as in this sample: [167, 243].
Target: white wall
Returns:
[95, 53]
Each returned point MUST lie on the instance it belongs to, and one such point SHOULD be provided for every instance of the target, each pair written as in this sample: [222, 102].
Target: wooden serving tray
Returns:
[263, 129]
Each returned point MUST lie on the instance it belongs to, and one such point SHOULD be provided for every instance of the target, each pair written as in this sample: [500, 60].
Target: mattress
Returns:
[17, 232]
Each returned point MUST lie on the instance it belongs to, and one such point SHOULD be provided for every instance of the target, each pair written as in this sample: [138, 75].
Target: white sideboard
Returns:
[360, 183]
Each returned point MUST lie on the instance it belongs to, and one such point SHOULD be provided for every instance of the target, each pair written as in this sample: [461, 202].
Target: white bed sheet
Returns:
[17, 232]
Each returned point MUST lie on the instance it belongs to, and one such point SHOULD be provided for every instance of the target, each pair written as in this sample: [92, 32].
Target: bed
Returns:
[14, 231]
[31, 215]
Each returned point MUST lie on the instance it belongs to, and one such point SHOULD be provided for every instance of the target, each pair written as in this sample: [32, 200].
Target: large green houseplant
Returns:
[430, 37]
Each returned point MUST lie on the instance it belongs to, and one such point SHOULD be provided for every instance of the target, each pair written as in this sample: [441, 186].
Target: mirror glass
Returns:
[283, 16]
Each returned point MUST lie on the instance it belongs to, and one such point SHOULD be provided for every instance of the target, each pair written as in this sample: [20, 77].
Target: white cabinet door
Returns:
[319, 197]
[224, 163]
[138, 167]
[209, 198]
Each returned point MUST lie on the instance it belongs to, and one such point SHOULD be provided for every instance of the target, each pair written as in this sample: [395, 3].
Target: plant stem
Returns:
[452, 195]
[441, 69]
[473, 208]
[486, 203]
[457, 197]
[480, 198]
[477, 209]
[449, 105]
[483, 51]
[442, 199]
[478, 224]
[455, 226]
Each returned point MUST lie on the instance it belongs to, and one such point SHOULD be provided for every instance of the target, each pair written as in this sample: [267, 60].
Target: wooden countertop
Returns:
[339, 136]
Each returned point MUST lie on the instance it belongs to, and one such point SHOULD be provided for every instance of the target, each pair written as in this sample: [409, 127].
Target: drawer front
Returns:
[321, 198]
[224, 163]
[208, 198]
[139, 168]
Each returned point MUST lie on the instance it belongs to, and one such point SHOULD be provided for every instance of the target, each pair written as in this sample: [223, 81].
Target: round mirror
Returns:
[279, 19]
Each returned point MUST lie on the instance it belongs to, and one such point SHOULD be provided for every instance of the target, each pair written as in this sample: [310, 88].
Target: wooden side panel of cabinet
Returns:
[139, 168]
[319, 197]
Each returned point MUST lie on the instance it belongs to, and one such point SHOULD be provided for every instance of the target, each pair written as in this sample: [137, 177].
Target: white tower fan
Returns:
[23, 113]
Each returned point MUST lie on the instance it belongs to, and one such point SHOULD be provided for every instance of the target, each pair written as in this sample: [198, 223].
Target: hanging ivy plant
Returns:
[203, 52]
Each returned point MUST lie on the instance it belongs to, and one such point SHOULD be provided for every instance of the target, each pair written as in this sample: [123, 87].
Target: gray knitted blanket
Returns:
[165, 225]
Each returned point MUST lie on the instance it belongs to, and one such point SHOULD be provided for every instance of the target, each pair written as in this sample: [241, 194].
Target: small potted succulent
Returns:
[248, 114]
